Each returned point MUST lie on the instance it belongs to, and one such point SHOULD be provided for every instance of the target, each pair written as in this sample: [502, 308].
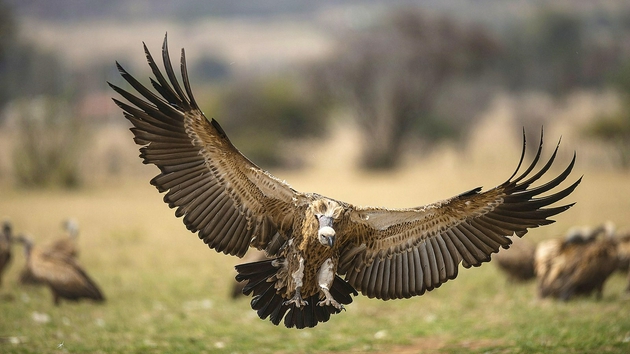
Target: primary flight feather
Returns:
[320, 249]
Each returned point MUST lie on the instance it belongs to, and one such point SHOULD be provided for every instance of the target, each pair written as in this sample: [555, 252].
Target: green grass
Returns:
[167, 292]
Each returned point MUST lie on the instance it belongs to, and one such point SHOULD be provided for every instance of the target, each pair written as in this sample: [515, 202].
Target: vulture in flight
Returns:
[321, 250]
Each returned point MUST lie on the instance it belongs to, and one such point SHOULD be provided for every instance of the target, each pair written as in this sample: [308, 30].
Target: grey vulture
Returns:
[320, 249]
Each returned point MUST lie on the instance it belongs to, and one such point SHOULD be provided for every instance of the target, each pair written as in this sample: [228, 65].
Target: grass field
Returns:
[167, 292]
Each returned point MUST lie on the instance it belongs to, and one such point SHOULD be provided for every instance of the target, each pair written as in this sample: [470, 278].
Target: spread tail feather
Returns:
[268, 302]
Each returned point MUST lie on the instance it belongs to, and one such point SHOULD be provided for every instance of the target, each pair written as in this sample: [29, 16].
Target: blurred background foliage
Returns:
[393, 73]
[411, 78]
[264, 112]
[614, 129]
[49, 144]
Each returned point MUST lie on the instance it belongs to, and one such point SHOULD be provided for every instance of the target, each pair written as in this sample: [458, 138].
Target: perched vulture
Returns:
[623, 254]
[518, 260]
[320, 249]
[66, 246]
[576, 265]
[6, 239]
[63, 275]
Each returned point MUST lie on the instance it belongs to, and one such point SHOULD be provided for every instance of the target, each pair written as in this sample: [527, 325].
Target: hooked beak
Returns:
[326, 229]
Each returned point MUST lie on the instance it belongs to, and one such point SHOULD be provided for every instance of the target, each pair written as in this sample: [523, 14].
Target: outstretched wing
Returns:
[405, 252]
[223, 196]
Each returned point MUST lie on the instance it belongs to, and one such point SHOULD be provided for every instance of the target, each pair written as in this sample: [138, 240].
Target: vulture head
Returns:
[72, 227]
[326, 211]
[6, 230]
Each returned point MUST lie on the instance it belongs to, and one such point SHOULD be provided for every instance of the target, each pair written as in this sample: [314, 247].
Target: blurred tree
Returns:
[27, 71]
[7, 26]
[7, 37]
[210, 68]
[49, 144]
[557, 51]
[259, 114]
[614, 130]
[392, 73]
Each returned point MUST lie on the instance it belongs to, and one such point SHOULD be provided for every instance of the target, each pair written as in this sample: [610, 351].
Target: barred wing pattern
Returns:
[223, 196]
[402, 253]
[385, 253]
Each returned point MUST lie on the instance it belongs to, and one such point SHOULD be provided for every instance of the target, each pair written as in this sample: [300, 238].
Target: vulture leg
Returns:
[329, 300]
[297, 276]
[325, 279]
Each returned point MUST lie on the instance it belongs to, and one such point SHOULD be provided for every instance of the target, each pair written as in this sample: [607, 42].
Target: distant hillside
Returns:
[183, 9]
[495, 13]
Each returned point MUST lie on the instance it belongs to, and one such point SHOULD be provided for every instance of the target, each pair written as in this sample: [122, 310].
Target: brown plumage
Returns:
[61, 273]
[321, 248]
[576, 265]
[6, 239]
[623, 255]
[65, 246]
[518, 260]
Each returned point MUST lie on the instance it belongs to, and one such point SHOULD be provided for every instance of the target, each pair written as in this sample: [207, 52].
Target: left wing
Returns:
[229, 201]
[405, 252]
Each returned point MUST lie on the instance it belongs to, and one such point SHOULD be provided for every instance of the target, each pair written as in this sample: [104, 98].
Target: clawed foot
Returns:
[331, 302]
[297, 300]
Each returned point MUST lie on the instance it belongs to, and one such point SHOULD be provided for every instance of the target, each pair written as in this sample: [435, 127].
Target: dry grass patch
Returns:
[167, 292]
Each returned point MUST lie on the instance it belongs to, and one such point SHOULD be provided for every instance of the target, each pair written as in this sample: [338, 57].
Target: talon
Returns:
[297, 300]
[330, 302]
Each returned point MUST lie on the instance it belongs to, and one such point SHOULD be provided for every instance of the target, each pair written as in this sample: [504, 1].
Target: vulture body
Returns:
[623, 255]
[517, 261]
[5, 247]
[321, 250]
[65, 247]
[577, 265]
[61, 273]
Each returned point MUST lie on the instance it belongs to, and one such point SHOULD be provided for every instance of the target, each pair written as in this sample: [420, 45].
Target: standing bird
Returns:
[576, 265]
[321, 249]
[6, 238]
[66, 246]
[518, 260]
[63, 275]
[623, 255]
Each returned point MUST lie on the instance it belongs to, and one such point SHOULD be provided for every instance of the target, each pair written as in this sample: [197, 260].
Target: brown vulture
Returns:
[6, 239]
[623, 253]
[320, 249]
[517, 262]
[63, 275]
[577, 265]
[65, 246]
